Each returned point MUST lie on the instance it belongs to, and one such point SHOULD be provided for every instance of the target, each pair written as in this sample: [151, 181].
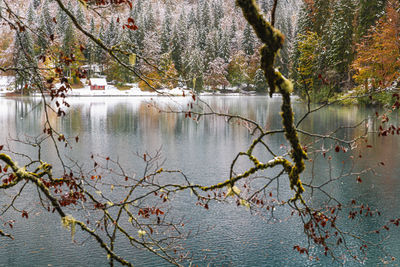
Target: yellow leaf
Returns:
[141, 233]
[243, 202]
[232, 191]
[83, 3]
[132, 59]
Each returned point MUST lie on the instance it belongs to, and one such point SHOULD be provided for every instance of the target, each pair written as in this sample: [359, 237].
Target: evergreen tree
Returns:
[265, 6]
[80, 16]
[218, 12]
[192, 22]
[369, 12]
[166, 31]
[248, 40]
[36, 4]
[111, 34]
[212, 46]
[90, 50]
[205, 16]
[340, 54]
[149, 22]
[305, 23]
[260, 83]
[23, 57]
[68, 40]
[31, 16]
[321, 16]
[179, 41]
[233, 42]
[62, 20]
[46, 20]
[224, 51]
[100, 54]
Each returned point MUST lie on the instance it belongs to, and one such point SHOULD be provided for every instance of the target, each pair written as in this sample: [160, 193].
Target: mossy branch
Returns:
[273, 41]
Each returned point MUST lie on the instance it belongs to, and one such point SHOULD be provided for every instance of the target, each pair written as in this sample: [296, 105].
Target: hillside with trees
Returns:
[347, 47]
[200, 44]
[332, 48]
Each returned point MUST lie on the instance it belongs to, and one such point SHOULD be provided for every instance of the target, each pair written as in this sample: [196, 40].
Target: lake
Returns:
[120, 127]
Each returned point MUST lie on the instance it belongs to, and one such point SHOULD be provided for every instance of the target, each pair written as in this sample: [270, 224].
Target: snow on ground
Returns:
[134, 91]
[6, 84]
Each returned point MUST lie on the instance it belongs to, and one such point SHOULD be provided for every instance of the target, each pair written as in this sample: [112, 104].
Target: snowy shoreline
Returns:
[133, 92]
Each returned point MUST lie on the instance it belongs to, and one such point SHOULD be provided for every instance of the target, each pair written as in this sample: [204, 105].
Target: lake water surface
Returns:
[120, 127]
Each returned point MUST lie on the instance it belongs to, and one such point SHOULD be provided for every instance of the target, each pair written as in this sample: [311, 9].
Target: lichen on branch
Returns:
[273, 40]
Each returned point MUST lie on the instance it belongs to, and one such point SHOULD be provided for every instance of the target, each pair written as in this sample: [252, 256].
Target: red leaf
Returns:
[25, 214]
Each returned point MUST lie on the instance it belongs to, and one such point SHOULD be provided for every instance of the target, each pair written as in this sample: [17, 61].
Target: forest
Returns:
[333, 49]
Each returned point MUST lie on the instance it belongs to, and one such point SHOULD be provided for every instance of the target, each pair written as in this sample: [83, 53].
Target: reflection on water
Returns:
[120, 127]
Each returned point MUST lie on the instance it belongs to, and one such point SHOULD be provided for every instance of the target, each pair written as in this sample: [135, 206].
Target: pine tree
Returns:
[31, 16]
[305, 23]
[62, 20]
[218, 12]
[149, 22]
[42, 41]
[166, 31]
[193, 63]
[233, 42]
[321, 16]
[192, 22]
[179, 41]
[36, 4]
[248, 40]
[111, 34]
[80, 16]
[340, 54]
[23, 57]
[90, 50]
[205, 16]
[265, 6]
[369, 12]
[68, 40]
[46, 20]
[224, 51]
[100, 54]
[260, 83]
[212, 46]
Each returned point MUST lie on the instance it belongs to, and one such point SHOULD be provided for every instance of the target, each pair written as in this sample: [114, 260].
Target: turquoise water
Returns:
[120, 127]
